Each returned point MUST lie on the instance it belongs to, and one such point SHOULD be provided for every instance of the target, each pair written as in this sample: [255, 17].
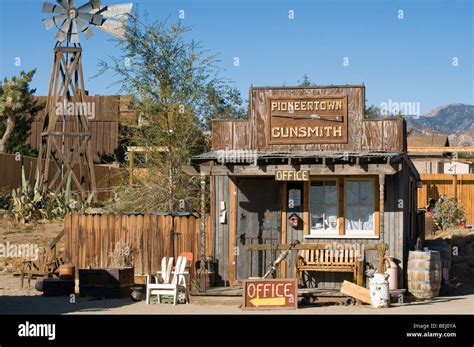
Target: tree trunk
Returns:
[8, 132]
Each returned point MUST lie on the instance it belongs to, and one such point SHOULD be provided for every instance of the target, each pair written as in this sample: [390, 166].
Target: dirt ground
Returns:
[39, 234]
[15, 300]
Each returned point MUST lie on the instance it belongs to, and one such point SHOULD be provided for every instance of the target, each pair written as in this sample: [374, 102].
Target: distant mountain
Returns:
[455, 120]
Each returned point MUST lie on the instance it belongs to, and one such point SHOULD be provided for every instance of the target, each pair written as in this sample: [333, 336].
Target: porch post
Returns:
[381, 265]
[203, 227]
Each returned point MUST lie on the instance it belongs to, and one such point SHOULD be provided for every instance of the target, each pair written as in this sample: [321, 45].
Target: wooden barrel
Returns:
[424, 274]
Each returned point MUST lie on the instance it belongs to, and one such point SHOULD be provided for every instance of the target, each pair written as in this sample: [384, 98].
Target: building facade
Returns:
[307, 166]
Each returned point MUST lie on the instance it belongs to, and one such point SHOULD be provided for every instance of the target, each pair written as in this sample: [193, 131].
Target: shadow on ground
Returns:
[39, 304]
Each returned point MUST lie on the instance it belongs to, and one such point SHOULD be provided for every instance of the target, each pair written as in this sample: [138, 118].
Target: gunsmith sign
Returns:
[270, 293]
[302, 119]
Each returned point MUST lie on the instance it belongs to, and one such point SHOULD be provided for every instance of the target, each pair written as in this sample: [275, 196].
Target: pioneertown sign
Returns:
[308, 119]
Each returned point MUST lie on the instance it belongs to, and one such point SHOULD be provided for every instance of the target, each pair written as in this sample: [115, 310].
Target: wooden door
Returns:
[258, 219]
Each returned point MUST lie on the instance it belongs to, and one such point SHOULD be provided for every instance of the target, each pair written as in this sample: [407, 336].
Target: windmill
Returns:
[65, 148]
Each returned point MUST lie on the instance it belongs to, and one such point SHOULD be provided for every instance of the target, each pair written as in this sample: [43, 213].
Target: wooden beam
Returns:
[189, 170]
[146, 149]
[341, 216]
[377, 207]
[232, 229]
[382, 206]
[130, 166]
[314, 245]
[283, 191]
[357, 292]
[314, 170]
[306, 221]
[462, 149]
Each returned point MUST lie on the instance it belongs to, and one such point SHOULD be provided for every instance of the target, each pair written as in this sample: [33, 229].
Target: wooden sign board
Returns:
[270, 294]
[308, 119]
[292, 175]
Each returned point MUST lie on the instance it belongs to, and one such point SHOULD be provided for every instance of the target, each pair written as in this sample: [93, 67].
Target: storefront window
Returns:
[324, 207]
[359, 207]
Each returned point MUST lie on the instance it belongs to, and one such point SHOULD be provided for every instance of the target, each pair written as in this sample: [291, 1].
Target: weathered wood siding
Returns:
[104, 127]
[259, 116]
[400, 229]
[363, 134]
[89, 239]
[257, 223]
[107, 178]
[221, 231]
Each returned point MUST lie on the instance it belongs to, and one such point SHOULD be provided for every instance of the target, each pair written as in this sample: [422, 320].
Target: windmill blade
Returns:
[62, 33]
[74, 34]
[119, 11]
[56, 20]
[52, 8]
[64, 4]
[114, 27]
[88, 33]
[95, 19]
[91, 5]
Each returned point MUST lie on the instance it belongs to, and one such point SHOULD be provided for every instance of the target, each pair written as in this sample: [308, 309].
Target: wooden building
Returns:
[306, 165]
[109, 112]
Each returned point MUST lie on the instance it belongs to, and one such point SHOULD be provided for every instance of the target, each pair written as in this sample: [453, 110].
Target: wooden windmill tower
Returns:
[65, 147]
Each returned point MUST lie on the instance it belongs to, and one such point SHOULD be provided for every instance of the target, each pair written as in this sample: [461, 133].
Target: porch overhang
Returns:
[248, 163]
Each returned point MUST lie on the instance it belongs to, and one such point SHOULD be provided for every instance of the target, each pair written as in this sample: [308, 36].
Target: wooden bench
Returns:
[341, 258]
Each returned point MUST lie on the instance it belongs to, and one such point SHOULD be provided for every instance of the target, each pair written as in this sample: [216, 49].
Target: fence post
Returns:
[203, 229]
[455, 183]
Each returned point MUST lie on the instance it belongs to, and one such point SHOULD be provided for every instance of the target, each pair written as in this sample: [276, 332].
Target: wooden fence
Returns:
[89, 239]
[454, 186]
[10, 174]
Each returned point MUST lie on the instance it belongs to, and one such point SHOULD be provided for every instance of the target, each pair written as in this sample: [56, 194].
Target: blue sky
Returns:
[403, 60]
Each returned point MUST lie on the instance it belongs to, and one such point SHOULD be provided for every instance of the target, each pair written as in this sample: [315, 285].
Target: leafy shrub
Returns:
[449, 213]
[26, 204]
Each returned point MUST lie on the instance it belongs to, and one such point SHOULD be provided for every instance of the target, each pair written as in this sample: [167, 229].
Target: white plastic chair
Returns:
[178, 283]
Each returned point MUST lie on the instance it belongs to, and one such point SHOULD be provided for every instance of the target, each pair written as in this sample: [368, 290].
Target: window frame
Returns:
[341, 206]
[361, 232]
[324, 232]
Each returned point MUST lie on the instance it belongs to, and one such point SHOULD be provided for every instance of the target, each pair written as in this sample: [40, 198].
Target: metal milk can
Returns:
[392, 271]
[379, 291]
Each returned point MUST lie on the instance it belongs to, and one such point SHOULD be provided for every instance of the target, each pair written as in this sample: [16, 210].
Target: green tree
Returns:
[306, 82]
[177, 90]
[223, 102]
[18, 108]
[371, 112]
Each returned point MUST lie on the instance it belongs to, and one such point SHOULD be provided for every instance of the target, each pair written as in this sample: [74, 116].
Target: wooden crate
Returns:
[58, 287]
[110, 277]
[106, 283]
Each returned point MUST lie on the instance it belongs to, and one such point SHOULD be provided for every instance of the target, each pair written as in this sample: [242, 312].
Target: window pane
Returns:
[330, 193]
[359, 211]
[366, 217]
[317, 217]
[317, 193]
[352, 192]
[331, 217]
[352, 219]
[366, 190]
[324, 205]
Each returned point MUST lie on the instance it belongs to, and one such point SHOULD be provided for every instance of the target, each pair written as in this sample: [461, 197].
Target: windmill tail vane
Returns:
[71, 20]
